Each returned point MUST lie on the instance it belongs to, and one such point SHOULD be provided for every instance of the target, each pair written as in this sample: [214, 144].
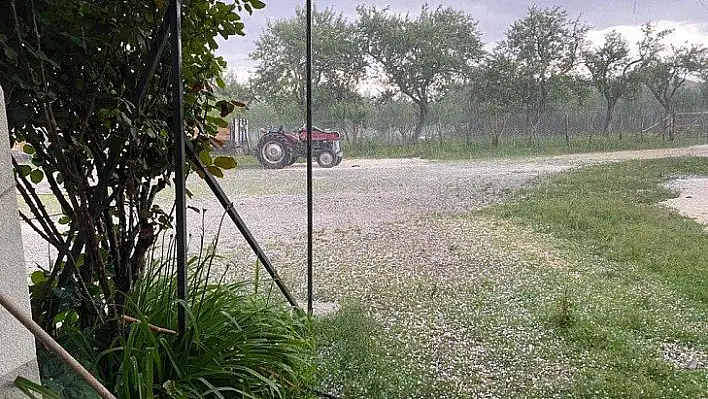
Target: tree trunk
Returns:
[607, 125]
[665, 122]
[422, 120]
[672, 125]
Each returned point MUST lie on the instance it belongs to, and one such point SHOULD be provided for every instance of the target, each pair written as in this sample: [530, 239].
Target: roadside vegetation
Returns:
[511, 147]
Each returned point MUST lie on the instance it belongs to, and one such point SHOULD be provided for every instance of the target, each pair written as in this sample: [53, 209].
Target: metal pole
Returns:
[178, 133]
[308, 126]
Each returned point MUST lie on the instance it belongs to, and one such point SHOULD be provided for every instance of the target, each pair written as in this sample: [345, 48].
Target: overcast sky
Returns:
[688, 17]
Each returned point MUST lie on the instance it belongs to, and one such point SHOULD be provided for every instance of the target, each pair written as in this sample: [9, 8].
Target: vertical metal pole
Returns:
[308, 126]
[178, 133]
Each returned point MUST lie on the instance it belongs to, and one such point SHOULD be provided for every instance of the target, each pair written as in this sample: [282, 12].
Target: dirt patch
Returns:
[693, 200]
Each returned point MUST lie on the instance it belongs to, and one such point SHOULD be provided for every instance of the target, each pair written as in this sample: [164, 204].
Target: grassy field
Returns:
[514, 146]
[634, 313]
[605, 295]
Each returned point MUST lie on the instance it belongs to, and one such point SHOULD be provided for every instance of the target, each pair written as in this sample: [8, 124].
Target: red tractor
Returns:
[278, 148]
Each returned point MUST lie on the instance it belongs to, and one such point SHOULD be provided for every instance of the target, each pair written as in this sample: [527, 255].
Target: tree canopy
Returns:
[103, 150]
[546, 46]
[338, 63]
[422, 56]
[613, 71]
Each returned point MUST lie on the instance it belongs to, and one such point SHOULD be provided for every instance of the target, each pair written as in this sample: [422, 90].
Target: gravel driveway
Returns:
[363, 194]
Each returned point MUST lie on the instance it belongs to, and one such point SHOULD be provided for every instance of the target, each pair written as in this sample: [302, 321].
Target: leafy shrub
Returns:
[238, 344]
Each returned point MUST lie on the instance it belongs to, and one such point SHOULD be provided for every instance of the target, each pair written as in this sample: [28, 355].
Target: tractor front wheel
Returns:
[274, 151]
[338, 160]
[326, 159]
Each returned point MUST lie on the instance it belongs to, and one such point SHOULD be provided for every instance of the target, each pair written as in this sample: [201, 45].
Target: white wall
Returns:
[17, 350]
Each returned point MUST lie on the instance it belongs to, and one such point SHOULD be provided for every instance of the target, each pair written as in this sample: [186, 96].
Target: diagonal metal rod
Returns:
[171, 28]
[240, 224]
[308, 126]
[175, 22]
[157, 47]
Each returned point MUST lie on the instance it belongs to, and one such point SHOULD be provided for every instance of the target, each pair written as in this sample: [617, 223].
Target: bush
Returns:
[239, 344]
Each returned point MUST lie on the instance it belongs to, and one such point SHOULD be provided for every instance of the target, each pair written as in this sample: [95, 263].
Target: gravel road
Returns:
[362, 194]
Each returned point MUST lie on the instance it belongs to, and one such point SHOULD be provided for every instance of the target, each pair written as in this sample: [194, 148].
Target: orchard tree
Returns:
[349, 116]
[500, 92]
[338, 63]
[546, 45]
[666, 71]
[102, 149]
[614, 72]
[421, 57]
[394, 118]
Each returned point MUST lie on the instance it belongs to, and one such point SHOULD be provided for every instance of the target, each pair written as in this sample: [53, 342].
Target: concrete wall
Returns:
[17, 351]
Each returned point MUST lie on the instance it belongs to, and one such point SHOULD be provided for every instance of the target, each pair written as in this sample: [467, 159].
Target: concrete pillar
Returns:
[17, 352]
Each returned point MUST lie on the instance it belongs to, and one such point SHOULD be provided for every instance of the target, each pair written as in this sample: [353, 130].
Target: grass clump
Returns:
[612, 210]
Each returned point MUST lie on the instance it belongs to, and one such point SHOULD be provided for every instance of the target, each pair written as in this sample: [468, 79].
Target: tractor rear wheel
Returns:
[326, 159]
[274, 151]
[338, 160]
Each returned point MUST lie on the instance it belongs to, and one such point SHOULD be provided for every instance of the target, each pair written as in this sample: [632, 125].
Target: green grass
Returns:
[640, 280]
[356, 360]
[612, 209]
[513, 146]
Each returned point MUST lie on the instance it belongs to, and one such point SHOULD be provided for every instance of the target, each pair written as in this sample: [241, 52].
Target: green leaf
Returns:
[225, 162]
[64, 220]
[24, 170]
[222, 123]
[10, 53]
[225, 108]
[215, 171]
[28, 149]
[38, 277]
[36, 176]
[220, 82]
[40, 54]
[257, 4]
[205, 158]
[29, 388]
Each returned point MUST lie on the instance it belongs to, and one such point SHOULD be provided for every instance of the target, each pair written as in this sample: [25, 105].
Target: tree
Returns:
[104, 151]
[499, 92]
[338, 64]
[665, 73]
[349, 116]
[546, 45]
[421, 57]
[614, 72]
[394, 118]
